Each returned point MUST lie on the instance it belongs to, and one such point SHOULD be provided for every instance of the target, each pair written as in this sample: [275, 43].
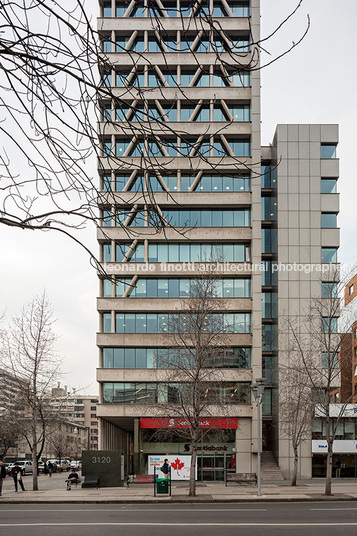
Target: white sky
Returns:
[316, 83]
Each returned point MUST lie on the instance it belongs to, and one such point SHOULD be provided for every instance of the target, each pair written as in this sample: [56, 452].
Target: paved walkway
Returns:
[54, 491]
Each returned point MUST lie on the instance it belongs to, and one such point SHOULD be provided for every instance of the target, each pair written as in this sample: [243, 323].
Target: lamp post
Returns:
[258, 390]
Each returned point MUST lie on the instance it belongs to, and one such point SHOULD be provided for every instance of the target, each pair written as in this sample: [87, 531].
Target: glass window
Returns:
[329, 290]
[107, 218]
[120, 78]
[269, 240]
[171, 112]
[330, 324]
[120, 43]
[119, 323]
[241, 79]
[108, 357]
[269, 337]
[268, 176]
[203, 114]
[219, 149]
[107, 147]
[107, 393]
[328, 186]
[240, 147]
[120, 147]
[107, 288]
[202, 81]
[107, 183]
[118, 361]
[219, 114]
[120, 8]
[107, 252]
[129, 358]
[138, 45]
[240, 9]
[153, 45]
[329, 360]
[269, 208]
[240, 112]
[120, 181]
[328, 255]
[107, 9]
[107, 323]
[121, 113]
[328, 220]
[328, 150]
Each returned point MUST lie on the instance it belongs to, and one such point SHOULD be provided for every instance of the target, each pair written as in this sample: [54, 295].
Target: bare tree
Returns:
[195, 387]
[57, 83]
[317, 359]
[295, 411]
[10, 433]
[28, 352]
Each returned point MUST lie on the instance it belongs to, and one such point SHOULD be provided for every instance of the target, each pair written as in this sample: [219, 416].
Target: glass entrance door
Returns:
[211, 467]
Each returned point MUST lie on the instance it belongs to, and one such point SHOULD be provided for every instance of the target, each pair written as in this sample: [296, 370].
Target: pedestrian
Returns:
[50, 468]
[73, 478]
[166, 468]
[2, 475]
[16, 474]
[45, 468]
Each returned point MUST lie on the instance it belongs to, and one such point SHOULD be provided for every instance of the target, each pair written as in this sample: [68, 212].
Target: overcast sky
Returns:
[316, 83]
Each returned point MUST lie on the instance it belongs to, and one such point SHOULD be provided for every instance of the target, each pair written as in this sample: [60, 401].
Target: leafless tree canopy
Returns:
[192, 367]
[58, 79]
[28, 354]
[316, 357]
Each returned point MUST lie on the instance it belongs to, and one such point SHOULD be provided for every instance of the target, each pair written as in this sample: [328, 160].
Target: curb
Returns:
[189, 500]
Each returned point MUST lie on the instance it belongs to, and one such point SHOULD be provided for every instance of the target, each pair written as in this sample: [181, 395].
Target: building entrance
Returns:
[211, 467]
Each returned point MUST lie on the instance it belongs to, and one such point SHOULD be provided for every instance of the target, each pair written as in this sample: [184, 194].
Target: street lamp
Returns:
[258, 390]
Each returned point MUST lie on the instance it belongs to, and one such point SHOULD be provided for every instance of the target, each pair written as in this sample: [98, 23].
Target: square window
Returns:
[329, 324]
[328, 150]
[328, 255]
[328, 220]
[328, 186]
[329, 290]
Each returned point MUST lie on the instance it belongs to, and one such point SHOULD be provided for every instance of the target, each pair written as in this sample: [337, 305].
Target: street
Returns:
[320, 518]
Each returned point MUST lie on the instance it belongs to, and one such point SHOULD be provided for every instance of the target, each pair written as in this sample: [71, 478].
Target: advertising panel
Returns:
[180, 466]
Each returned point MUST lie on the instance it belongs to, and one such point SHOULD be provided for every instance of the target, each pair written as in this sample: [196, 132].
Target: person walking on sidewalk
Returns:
[2, 475]
[166, 468]
[16, 474]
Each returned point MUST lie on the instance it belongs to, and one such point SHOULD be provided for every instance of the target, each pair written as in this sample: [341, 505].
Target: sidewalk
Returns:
[311, 490]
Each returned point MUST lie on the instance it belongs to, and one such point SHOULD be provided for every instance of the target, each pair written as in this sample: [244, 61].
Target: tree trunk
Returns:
[34, 467]
[328, 483]
[192, 489]
[34, 457]
[296, 461]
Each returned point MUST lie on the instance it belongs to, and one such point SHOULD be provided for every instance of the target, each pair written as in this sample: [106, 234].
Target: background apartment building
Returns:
[81, 410]
[225, 196]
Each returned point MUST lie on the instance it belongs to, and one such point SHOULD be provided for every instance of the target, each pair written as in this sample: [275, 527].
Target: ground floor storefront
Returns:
[216, 451]
[343, 465]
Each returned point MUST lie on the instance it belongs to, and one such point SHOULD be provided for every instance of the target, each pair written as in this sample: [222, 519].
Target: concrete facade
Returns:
[284, 201]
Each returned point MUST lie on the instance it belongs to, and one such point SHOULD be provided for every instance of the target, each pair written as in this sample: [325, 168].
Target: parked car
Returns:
[60, 465]
[25, 466]
[76, 464]
[40, 467]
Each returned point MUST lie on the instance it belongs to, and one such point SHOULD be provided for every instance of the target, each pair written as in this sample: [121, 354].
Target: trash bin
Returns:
[162, 485]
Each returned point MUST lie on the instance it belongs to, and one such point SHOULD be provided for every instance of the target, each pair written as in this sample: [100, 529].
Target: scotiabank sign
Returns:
[152, 422]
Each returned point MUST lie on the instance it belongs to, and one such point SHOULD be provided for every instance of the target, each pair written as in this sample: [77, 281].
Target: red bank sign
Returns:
[175, 422]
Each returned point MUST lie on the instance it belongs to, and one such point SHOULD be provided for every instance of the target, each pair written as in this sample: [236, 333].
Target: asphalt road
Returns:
[273, 519]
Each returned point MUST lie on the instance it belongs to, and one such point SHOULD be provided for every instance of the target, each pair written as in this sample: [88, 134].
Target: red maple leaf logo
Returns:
[177, 465]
